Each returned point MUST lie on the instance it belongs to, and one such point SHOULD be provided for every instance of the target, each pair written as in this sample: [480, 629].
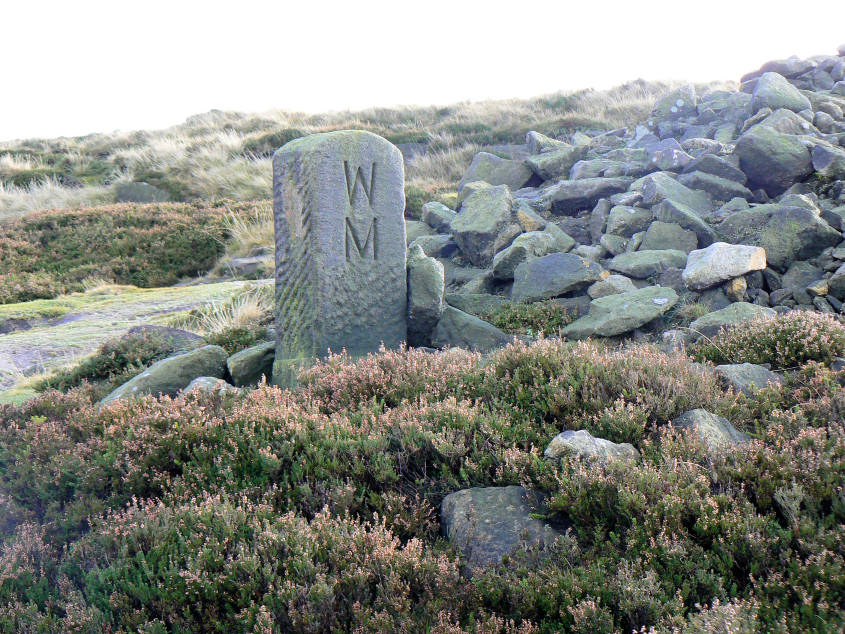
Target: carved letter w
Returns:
[354, 177]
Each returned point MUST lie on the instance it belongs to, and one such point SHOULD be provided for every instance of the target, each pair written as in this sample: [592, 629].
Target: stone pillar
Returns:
[341, 282]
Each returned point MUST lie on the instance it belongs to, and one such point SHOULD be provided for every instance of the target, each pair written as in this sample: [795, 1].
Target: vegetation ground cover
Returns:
[318, 509]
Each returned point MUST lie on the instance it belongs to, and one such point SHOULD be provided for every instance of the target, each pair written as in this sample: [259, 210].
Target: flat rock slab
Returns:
[747, 377]
[496, 171]
[171, 375]
[341, 280]
[552, 276]
[582, 443]
[461, 330]
[644, 264]
[737, 313]
[569, 197]
[622, 312]
[487, 524]
[721, 262]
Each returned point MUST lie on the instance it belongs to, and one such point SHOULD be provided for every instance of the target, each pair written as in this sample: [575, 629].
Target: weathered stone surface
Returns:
[738, 312]
[800, 275]
[478, 304]
[341, 279]
[771, 160]
[248, 366]
[720, 262]
[643, 264]
[552, 276]
[584, 444]
[611, 285]
[537, 142]
[416, 229]
[426, 287]
[660, 186]
[774, 91]
[484, 217]
[620, 313]
[487, 524]
[528, 245]
[680, 102]
[829, 161]
[469, 189]
[626, 221]
[556, 163]
[462, 330]
[673, 211]
[668, 235]
[747, 377]
[568, 197]
[715, 432]
[786, 233]
[717, 166]
[440, 245]
[172, 374]
[210, 384]
[251, 267]
[496, 171]
[836, 283]
[718, 188]
[437, 216]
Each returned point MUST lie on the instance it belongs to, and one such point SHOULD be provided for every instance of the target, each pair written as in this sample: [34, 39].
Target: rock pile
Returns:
[732, 199]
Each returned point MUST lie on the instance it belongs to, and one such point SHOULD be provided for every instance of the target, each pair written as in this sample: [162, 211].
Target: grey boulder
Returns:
[715, 432]
[619, 313]
[721, 262]
[426, 288]
[584, 444]
[461, 330]
[643, 264]
[496, 171]
[747, 377]
[248, 366]
[771, 160]
[553, 275]
[737, 313]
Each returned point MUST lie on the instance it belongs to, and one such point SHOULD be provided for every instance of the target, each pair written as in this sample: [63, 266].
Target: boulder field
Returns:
[733, 200]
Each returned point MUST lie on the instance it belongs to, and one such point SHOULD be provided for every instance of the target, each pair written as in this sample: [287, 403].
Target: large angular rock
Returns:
[737, 313]
[437, 216]
[771, 160]
[485, 216]
[836, 283]
[660, 186]
[668, 235]
[625, 221]
[786, 233]
[556, 163]
[611, 285]
[441, 245]
[718, 188]
[681, 102]
[715, 432]
[172, 374]
[552, 276]
[717, 166]
[496, 171]
[528, 245]
[488, 524]
[829, 162]
[774, 91]
[582, 443]
[747, 377]
[643, 264]
[461, 330]
[721, 262]
[569, 197]
[248, 366]
[537, 143]
[678, 213]
[341, 276]
[623, 312]
[426, 288]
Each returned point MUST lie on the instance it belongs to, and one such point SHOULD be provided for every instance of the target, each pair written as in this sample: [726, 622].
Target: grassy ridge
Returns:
[227, 154]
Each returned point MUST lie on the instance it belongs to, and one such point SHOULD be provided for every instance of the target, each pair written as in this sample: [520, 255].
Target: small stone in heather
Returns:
[715, 432]
[747, 377]
[584, 444]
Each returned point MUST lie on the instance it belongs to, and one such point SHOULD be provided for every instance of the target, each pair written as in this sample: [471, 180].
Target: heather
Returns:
[45, 254]
[318, 509]
[787, 341]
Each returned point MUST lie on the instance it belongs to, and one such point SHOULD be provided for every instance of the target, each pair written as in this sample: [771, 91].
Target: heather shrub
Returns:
[614, 394]
[389, 377]
[530, 319]
[115, 362]
[786, 341]
[51, 252]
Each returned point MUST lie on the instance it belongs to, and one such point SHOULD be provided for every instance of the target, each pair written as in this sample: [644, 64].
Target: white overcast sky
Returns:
[76, 67]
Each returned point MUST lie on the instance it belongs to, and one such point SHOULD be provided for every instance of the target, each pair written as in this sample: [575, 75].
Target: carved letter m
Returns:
[353, 240]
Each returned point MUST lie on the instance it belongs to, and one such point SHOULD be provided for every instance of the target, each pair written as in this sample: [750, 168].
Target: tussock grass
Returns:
[251, 307]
